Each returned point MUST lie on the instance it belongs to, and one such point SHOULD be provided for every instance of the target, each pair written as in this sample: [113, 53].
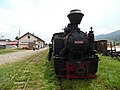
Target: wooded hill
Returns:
[115, 36]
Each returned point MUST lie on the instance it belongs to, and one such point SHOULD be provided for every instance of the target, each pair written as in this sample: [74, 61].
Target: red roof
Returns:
[12, 43]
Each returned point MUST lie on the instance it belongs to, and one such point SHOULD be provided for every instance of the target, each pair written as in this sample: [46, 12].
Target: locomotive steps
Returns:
[36, 73]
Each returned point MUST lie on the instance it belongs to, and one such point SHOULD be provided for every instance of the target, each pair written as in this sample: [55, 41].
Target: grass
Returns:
[8, 70]
[4, 51]
[43, 76]
[108, 77]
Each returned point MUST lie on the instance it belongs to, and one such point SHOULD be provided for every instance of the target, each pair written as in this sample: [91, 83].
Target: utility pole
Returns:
[19, 32]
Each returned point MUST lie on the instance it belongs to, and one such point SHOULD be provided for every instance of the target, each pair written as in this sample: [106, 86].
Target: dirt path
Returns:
[11, 57]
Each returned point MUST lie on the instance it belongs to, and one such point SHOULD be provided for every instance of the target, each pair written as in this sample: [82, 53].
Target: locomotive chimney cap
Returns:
[75, 11]
[75, 16]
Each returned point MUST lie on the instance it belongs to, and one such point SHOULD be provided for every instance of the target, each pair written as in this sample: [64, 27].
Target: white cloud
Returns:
[45, 17]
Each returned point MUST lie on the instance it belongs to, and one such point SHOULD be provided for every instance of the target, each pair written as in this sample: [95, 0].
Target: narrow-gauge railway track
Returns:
[21, 78]
[69, 82]
[60, 84]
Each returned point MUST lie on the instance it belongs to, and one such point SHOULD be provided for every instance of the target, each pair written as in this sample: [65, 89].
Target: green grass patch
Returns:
[108, 77]
[43, 76]
[7, 71]
[4, 51]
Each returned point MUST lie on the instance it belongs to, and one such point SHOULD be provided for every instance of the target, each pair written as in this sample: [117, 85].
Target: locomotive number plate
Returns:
[79, 42]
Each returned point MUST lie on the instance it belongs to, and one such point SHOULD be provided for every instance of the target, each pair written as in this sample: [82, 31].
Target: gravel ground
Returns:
[11, 57]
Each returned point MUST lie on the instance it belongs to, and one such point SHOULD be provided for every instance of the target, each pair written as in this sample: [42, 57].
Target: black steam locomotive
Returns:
[73, 50]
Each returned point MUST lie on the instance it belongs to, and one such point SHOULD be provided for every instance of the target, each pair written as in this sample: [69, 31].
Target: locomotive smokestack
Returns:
[75, 16]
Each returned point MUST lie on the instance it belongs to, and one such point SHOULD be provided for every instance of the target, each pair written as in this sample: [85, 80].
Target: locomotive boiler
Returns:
[73, 50]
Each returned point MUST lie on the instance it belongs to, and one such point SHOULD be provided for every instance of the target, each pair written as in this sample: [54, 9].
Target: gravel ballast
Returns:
[15, 56]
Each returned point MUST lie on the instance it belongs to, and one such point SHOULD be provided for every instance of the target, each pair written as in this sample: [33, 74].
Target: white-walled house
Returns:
[30, 41]
[3, 43]
[7, 44]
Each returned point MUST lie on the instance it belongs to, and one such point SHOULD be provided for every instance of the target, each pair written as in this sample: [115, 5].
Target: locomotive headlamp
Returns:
[75, 16]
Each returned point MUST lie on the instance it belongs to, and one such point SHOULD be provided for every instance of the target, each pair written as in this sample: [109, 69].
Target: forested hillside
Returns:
[115, 36]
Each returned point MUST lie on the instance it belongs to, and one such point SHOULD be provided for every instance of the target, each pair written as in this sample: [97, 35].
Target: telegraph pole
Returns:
[19, 32]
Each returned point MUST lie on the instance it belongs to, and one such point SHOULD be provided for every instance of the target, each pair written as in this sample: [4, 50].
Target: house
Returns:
[12, 44]
[30, 41]
[3, 43]
[7, 44]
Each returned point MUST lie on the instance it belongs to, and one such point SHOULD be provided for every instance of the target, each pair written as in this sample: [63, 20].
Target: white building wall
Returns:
[24, 41]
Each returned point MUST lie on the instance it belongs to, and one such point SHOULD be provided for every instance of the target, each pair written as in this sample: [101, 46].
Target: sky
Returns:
[45, 17]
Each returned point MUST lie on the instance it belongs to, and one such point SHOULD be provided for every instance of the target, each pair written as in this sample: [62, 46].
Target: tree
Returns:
[16, 38]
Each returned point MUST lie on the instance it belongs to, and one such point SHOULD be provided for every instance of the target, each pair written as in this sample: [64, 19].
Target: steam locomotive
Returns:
[73, 50]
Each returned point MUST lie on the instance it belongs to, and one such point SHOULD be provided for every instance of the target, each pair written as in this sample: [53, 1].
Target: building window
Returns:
[104, 43]
[28, 37]
[99, 44]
